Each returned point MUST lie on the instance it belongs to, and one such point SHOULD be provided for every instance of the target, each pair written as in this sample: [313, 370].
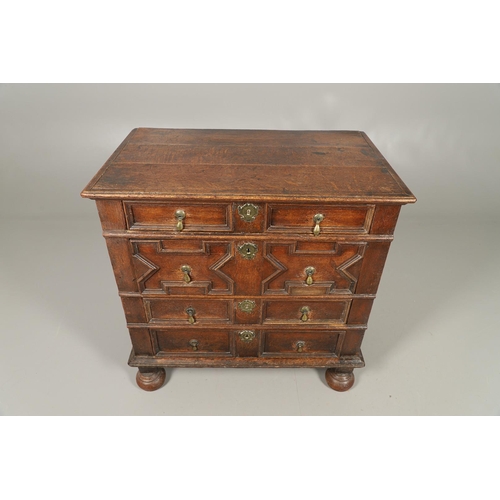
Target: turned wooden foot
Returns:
[339, 379]
[150, 379]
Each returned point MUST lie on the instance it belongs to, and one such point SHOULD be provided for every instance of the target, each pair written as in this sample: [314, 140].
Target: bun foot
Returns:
[339, 379]
[150, 379]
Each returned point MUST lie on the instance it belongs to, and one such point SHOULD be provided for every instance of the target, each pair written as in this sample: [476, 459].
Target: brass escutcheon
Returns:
[300, 345]
[247, 335]
[247, 305]
[248, 212]
[248, 250]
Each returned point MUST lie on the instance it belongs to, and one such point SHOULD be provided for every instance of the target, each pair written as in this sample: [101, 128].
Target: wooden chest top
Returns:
[334, 166]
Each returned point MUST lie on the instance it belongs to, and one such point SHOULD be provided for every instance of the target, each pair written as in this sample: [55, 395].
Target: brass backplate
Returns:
[248, 212]
[247, 335]
[248, 250]
[247, 305]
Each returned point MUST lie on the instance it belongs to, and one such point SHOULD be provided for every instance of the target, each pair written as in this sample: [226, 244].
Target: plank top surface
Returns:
[340, 166]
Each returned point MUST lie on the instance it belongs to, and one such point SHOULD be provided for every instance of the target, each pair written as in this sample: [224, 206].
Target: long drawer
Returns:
[189, 266]
[194, 311]
[290, 342]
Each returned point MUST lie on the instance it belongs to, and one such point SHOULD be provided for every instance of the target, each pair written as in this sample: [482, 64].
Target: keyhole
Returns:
[247, 250]
[248, 211]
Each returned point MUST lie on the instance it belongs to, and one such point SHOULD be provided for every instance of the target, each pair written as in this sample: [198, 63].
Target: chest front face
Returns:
[247, 248]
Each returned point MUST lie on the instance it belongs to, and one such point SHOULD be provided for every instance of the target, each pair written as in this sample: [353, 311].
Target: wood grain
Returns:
[166, 164]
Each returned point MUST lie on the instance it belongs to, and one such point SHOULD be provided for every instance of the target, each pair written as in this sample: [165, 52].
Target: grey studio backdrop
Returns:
[432, 344]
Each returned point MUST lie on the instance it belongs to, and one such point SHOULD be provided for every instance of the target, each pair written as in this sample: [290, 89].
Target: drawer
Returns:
[181, 266]
[331, 218]
[306, 311]
[193, 342]
[178, 217]
[313, 266]
[187, 311]
[302, 343]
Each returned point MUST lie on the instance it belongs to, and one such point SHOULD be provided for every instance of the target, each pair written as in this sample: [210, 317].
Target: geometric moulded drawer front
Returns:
[181, 267]
[313, 267]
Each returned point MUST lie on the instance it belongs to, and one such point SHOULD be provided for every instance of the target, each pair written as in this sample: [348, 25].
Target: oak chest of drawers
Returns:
[247, 248]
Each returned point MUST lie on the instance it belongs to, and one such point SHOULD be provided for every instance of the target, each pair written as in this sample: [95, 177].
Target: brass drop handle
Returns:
[317, 219]
[180, 215]
[194, 344]
[309, 272]
[191, 312]
[300, 345]
[186, 270]
[305, 313]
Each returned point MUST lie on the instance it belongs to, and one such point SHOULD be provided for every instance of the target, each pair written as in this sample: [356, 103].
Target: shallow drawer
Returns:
[302, 343]
[193, 342]
[329, 218]
[179, 217]
[188, 312]
[306, 311]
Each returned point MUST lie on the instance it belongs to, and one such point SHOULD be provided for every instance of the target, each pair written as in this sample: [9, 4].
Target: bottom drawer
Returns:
[193, 342]
[302, 343]
[212, 342]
